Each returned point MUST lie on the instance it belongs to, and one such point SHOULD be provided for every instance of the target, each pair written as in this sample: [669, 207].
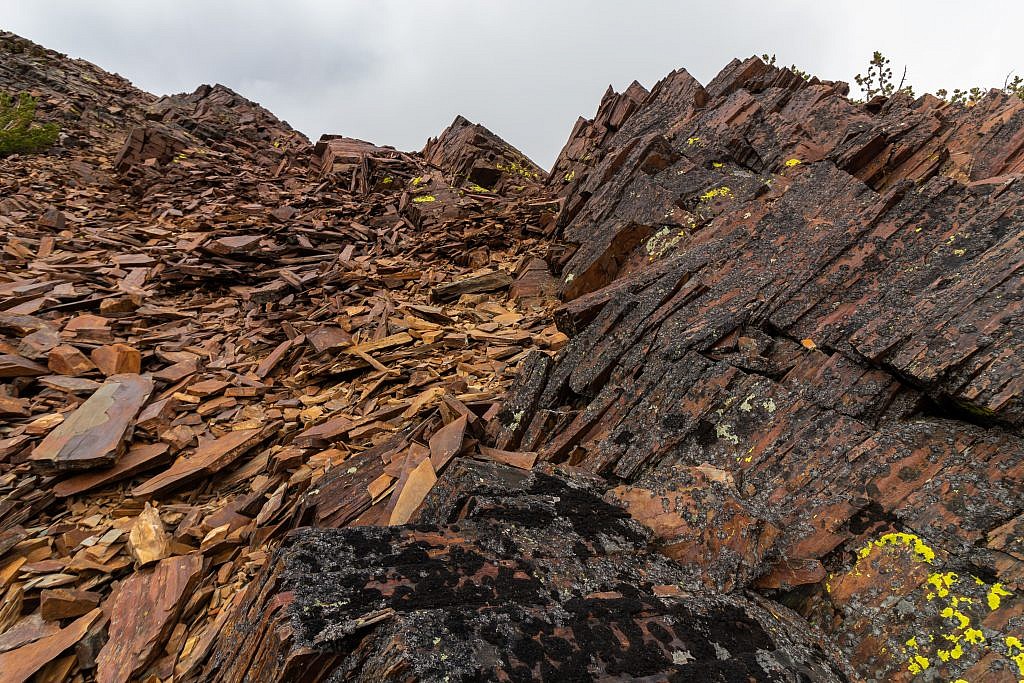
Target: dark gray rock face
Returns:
[506, 575]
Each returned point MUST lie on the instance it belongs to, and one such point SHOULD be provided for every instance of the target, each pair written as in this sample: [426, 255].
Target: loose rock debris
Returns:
[733, 393]
[205, 319]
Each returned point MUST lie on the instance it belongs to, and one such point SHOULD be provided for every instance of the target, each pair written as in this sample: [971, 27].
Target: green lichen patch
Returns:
[662, 242]
[516, 167]
[18, 132]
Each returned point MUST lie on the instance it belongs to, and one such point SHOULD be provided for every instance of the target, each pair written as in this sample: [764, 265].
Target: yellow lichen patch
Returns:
[518, 169]
[956, 653]
[956, 610]
[715, 193]
[790, 163]
[959, 252]
[387, 180]
[899, 538]
[974, 636]
[918, 664]
[941, 582]
[995, 593]
[425, 199]
[1013, 643]
[961, 619]
[473, 187]
[693, 141]
[717, 164]
[417, 180]
[570, 176]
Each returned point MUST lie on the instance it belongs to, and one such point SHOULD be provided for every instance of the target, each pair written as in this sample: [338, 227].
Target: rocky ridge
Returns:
[732, 393]
[816, 301]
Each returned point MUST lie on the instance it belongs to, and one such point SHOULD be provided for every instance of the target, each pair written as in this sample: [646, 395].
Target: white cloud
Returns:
[397, 72]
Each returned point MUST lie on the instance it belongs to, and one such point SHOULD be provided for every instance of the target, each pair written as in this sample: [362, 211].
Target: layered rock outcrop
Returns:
[819, 300]
[769, 429]
[504, 575]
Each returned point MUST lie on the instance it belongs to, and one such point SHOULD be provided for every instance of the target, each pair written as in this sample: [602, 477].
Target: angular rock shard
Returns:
[144, 609]
[93, 436]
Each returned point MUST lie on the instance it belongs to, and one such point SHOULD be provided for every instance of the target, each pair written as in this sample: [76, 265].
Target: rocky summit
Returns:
[734, 393]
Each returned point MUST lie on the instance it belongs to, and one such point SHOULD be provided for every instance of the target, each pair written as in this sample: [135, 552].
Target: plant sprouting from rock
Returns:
[769, 59]
[969, 97]
[965, 97]
[879, 79]
[1015, 86]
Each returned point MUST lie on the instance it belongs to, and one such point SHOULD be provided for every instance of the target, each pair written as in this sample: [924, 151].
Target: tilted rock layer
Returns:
[820, 301]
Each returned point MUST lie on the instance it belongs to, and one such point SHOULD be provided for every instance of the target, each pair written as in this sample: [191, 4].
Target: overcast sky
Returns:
[398, 72]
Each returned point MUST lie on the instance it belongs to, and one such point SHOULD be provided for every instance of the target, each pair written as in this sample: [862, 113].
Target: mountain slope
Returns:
[733, 393]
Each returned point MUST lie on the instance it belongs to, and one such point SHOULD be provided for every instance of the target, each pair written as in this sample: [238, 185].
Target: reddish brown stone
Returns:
[117, 358]
[62, 603]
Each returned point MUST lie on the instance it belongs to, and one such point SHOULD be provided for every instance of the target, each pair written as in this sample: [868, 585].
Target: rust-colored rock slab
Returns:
[94, 434]
[142, 613]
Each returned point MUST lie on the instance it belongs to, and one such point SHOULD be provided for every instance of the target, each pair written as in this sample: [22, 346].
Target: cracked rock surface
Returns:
[506, 575]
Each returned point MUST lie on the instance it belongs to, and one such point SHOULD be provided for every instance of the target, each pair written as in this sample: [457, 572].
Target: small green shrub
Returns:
[1014, 87]
[769, 59]
[966, 97]
[18, 135]
[878, 80]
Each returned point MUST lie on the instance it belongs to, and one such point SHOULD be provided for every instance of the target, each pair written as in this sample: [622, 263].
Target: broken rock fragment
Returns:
[115, 359]
[143, 610]
[94, 434]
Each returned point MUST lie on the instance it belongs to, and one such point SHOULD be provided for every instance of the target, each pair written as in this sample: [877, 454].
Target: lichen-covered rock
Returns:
[905, 608]
[781, 437]
[506, 575]
[819, 299]
[479, 161]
